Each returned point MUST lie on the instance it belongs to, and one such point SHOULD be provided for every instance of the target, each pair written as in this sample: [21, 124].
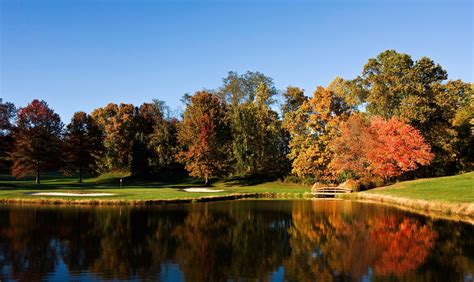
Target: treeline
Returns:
[399, 119]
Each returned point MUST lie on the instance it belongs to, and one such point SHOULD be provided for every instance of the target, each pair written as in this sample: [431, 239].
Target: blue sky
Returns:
[80, 55]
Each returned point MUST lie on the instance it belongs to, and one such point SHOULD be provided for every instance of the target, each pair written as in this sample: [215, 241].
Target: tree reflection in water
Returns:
[312, 240]
[328, 242]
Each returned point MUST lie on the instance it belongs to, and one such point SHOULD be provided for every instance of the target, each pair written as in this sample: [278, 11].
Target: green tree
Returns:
[204, 136]
[155, 144]
[258, 141]
[37, 140]
[393, 85]
[83, 145]
[7, 113]
[238, 89]
[294, 99]
[163, 139]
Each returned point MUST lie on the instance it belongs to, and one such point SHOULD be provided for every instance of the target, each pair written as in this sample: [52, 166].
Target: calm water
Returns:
[238, 240]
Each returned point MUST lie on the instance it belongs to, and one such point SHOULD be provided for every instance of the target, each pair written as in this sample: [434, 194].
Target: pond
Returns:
[268, 240]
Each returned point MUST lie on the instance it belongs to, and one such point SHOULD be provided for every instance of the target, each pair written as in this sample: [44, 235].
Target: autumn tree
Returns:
[37, 140]
[379, 147]
[393, 85]
[118, 123]
[83, 145]
[312, 127]
[7, 113]
[204, 136]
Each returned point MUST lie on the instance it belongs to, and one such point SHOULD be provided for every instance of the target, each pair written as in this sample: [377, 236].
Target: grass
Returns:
[450, 197]
[451, 189]
[134, 190]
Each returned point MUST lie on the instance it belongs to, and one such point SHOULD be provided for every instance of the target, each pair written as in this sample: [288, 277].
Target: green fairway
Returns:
[452, 189]
[134, 190]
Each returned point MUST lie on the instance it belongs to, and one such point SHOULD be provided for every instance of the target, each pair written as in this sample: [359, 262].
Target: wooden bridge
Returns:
[329, 192]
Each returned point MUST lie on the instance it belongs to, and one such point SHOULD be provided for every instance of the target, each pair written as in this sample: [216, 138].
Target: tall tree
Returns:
[238, 89]
[155, 144]
[258, 141]
[7, 113]
[294, 99]
[312, 127]
[118, 122]
[83, 145]
[37, 140]
[163, 140]
[204, 136]
[393, 85]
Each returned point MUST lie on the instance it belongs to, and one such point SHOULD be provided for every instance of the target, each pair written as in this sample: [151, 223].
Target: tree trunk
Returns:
[81, 153]
[37, 174]
[80, 173]
[206, 181]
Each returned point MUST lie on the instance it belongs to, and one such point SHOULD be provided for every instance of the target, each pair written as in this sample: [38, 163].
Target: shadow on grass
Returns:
[246, 181]
[60, 182]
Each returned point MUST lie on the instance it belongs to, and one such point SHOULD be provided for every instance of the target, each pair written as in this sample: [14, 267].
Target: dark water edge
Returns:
[268, 240]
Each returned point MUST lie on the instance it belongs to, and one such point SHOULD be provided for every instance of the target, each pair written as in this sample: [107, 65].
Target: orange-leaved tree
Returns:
[379, 147]
[312, 127]
[204, 136]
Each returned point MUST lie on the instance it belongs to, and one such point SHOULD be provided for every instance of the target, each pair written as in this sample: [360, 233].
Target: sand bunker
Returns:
[202, 190]
[64, 194]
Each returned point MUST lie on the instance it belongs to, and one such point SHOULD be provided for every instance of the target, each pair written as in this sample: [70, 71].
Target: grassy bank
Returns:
[444, 195]
[139, 192]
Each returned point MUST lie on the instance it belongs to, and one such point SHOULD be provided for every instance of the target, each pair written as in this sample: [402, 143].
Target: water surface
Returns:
[268, 240]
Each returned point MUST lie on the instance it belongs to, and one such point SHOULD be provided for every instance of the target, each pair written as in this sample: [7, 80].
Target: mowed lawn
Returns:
[11, 188]
[452, 189]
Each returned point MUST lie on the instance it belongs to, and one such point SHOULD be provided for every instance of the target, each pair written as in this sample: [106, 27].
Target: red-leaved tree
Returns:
[396, 148]
[378, 147]
[37, 140]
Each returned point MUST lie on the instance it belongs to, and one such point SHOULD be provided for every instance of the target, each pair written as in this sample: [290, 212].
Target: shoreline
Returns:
[444, 210]
[121, 202]
[439, 210]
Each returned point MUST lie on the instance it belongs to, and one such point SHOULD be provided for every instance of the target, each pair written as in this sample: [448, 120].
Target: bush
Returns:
[352, 184]
[299, 180]
[367, 183]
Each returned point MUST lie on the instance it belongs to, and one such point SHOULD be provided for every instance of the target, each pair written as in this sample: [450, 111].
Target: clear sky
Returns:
[80, 55]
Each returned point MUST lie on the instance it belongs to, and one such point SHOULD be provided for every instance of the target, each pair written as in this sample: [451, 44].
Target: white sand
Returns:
[202, 190]
[72, 194]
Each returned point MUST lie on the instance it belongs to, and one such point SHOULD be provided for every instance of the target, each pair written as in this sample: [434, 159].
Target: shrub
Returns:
[352, 184]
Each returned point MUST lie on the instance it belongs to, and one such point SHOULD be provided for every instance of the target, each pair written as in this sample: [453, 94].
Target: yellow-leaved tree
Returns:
[312, 124]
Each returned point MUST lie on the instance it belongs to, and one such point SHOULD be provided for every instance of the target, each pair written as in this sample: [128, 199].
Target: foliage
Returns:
[83, 146]
[163, 139]
[312, 127]
[328, 244]
[118, 123]
[393, 85]
[37, 140]
[203, 135]
[239, 89]
[378, 147]
[7, 114]
[259, 145]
